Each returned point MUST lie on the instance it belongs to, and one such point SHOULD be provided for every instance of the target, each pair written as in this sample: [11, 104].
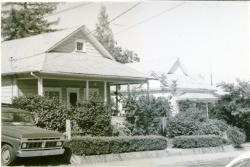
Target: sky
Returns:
[208, 37]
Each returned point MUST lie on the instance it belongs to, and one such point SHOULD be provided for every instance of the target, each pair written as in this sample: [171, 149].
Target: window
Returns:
[80, 46]
[53, 93]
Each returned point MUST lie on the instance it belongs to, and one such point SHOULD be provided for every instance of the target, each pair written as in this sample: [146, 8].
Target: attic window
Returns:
[80, 46]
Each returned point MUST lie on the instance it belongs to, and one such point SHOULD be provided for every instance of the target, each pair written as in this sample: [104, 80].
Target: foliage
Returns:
[165, 86]
[189, 105]
[90, 117]
[48, 113]
[144, 114]
[24, 19]
[235, 136]
[94, 117]
[194, 123]
[112, 145]
[105, 36]
[234, 107]
[211, 127]
[198, 141]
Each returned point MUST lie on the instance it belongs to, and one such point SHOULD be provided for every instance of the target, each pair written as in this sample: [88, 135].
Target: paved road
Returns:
[41, 161]
[218, 163]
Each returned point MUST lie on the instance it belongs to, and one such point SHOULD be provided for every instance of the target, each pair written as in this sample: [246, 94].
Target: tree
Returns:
[234, 107]
[105, 36]
[24, 19]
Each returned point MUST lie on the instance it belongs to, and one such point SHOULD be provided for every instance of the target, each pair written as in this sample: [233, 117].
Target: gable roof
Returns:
[166, 66]
[36, 54]
[43, 43]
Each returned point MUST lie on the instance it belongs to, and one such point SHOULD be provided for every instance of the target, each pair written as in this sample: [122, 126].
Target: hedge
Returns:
[198, 141]
[110, 145]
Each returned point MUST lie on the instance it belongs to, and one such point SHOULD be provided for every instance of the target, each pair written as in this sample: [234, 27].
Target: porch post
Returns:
[40, 86]
[105, 91]
[87, 89]
[116, 97]
[128, 90]
[14, 87]
[147, 88]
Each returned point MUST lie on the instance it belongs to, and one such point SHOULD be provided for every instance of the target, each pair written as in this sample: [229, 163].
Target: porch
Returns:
[70, 88]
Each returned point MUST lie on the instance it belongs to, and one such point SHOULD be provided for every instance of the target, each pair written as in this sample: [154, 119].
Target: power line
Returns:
[150, 18]
[67, 9]
[106, 23]
[90, 31]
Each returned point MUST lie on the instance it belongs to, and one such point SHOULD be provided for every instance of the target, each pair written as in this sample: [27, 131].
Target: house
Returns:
[188, 86]
[67, 64]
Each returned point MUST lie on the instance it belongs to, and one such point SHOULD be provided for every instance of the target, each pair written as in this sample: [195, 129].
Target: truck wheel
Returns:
[8, 155]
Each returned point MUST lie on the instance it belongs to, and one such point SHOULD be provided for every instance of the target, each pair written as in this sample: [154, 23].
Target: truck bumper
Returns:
[39, 153]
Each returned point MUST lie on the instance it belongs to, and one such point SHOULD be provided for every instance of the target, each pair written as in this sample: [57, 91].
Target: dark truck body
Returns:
[26, 139]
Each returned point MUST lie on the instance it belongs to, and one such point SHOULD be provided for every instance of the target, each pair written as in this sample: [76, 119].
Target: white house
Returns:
[188, 86]
[68, 64]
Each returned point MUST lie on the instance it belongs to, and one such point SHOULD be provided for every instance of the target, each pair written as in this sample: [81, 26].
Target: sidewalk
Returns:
[174, 161]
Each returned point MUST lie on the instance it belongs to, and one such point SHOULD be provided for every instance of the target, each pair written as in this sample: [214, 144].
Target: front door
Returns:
[72, 95]
[73, 98]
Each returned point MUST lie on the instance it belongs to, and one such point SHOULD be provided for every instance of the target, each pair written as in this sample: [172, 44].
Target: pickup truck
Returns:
[21, 138]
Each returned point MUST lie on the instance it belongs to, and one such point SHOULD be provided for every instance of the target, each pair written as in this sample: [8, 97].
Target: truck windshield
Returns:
[10, 118]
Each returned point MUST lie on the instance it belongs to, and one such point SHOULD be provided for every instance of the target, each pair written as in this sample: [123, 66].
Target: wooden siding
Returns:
[68, 46]
[28, 87]
[6, 89]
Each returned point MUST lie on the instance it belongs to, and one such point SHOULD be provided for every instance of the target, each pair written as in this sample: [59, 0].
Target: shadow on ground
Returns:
[41, 161]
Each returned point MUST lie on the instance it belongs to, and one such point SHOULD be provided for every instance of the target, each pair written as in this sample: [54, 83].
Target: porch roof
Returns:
[197, 97]
[77, 64]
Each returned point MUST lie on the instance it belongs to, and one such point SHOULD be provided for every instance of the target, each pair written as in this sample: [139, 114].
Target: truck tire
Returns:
[8, 156]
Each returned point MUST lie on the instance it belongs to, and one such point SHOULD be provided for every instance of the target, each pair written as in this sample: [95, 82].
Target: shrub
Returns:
[235, 136]
[94, 117]
[143, 114]
[186, 123]
[190, 105]
[194, 123]
[198, 141]
[211, 127]
[48, 113]
[112, 145]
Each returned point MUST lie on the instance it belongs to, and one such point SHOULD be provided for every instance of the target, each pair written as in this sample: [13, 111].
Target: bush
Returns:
[48, 113]
[235, 136]
[186, 123]
[144, 114]
[112, 145]
[90, 117]
[190, 105]
[194, 123]
[198, 141]
[94, 117]
[211, 127]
